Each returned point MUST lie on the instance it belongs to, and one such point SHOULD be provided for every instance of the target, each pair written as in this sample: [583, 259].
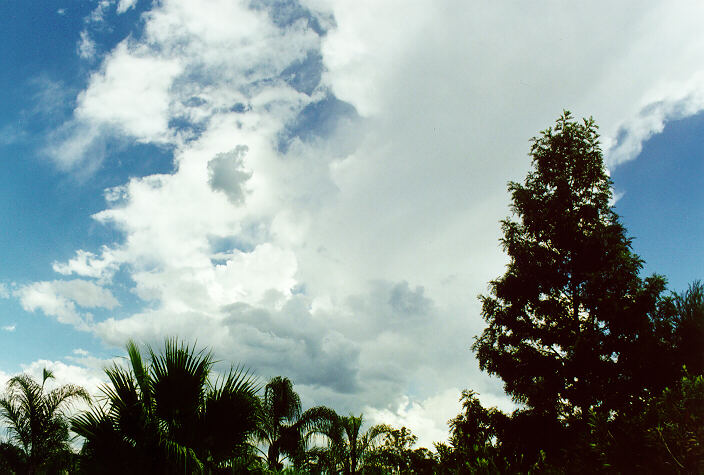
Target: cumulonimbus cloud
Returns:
[346, 247]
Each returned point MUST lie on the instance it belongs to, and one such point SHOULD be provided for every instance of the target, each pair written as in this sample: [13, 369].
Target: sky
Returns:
[313, 188]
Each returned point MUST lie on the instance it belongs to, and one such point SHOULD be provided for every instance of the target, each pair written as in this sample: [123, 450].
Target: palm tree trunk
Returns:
[272, 457]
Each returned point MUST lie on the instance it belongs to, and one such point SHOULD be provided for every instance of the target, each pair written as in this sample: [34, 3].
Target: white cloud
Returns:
[39, 296]
[226, 173]
[83, 370]
[131, 93]
[85, 294]
[124, 5]
[60, 299]
[426, 419]
[77, 146]
[98, 13]
[89, 378]
[677, 101]
[4, 292]
[86, 46]
[358, 51]
[87, 264]
[9, 328]
[128, 97]
[87, 373]
[4, 378]
[351, 261]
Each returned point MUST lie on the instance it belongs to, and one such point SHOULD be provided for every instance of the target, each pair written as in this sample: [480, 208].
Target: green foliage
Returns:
[571, 297]
[484, 441]
[592, 352]
[169, 415]
[348, 449]
[648, 434]
[658, 426]
[37, 424]
[396, 455]
[283, 427]
[689, 328]
[666, 437]
[678, 430]
[569, 315]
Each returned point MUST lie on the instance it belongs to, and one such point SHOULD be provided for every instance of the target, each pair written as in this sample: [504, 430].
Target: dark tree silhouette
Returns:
[283, 426]
[689, 324]
[472, 435]
[280, 411]
[169, 416]
[566, 317]
[663, 431]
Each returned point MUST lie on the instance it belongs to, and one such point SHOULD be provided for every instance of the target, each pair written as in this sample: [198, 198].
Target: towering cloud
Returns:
[339, 172]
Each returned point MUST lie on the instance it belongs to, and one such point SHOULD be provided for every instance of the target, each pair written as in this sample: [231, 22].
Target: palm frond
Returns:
[46, 374]
[321, 420]
[140, 371]
[64, 395]
[26, 392]
[17, 420]
[180, 378]
[90, 424]
[35, 420]
[229, 413]
[182, 456]
[167, 415]
[283, 403]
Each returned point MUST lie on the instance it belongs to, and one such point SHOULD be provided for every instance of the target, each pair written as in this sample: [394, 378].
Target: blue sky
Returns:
[314, 189]
[663, 202]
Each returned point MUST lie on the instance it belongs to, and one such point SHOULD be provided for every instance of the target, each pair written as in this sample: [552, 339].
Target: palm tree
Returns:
[283, 427]
[347, 449]
[169, 415]
[36, 423]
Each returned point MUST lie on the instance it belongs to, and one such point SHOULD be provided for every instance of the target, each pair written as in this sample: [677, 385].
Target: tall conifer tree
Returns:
[564, 319]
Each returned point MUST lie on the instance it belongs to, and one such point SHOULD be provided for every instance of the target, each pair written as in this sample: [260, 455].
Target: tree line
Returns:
[168, 412]
[606, 368]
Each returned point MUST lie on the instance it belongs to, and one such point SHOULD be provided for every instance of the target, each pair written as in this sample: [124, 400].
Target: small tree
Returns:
[347, 447]
[36, 423]
[394, 454]
[472, 443]
[283, 426]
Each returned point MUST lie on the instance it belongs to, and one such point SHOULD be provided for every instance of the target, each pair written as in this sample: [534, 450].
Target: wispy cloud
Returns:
[86, 46]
